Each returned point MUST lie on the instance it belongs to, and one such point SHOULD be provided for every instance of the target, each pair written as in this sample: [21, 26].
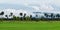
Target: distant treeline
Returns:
[29, 19]
[48, 17]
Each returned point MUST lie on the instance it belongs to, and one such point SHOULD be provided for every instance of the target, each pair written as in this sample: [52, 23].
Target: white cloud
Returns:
[35, 7]
[43, 4]
[25, 1]
[44, 7]
[57, 2]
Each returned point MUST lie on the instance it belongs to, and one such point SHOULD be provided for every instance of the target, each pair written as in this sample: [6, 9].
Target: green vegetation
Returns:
[30, 25]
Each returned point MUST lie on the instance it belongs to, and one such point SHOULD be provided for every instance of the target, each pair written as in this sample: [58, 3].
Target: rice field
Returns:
[29, 25]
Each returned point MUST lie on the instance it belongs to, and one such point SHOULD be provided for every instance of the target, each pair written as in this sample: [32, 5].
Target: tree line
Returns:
[47, 17]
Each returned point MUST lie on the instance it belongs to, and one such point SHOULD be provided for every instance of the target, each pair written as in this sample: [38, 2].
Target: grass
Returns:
[28, 25]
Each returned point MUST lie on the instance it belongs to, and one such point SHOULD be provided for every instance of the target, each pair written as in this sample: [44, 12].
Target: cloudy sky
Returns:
[31, 5]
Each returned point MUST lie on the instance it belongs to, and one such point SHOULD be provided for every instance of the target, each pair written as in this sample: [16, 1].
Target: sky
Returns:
[31, 5]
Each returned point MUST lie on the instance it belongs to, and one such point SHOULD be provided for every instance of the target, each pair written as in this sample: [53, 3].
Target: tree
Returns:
[24, 16]
[46, 14]
[2, 13]
[36, 15]
[6, 16]
[27, 18]
[57, 15]
[30, 17]
[21, 14]
[14, 17]
[11, 13]
[51, 14]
